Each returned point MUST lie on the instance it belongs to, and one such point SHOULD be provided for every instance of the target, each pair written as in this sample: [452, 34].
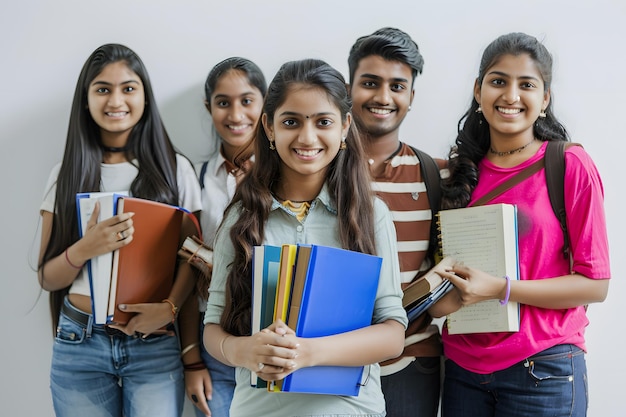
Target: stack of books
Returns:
[140, 272]
[317, 291]
[426, 290]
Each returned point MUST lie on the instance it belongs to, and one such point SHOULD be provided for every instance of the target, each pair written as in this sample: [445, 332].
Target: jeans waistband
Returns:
[86, 320]
[557, 352]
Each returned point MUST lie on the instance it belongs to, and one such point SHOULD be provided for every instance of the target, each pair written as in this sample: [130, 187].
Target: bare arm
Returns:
[198, 384]
[99, 238]
[281, 352]
[472, 286]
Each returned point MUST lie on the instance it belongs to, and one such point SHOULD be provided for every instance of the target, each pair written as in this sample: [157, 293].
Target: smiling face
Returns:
[511, 96]
[235, 108]
[307, 131]
[381, 95]
[116, 101]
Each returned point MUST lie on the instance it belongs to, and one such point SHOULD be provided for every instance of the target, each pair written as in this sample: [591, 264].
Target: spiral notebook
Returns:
[485, 238]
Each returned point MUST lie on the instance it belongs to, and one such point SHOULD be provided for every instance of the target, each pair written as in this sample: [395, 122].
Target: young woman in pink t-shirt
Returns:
[540, 370]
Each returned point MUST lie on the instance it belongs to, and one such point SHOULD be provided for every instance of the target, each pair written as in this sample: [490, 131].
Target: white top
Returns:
[118, 178]
[219, 186]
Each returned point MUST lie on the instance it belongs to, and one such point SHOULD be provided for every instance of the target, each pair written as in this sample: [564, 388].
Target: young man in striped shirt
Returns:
[383, 67]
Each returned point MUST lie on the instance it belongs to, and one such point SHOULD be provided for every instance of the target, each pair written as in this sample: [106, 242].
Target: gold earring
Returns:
[272, 147]
[479, 109]
[343, 143]
[542, 114]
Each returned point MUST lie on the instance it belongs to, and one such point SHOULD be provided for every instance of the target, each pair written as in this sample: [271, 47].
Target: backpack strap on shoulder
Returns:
[555, 180]
[432, 181]
[202, 172]
[527, 172]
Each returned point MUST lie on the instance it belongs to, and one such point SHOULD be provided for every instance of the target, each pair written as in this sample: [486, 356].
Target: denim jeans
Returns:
[100, 375]
[414, 391]
[551, 383]
[223, 381]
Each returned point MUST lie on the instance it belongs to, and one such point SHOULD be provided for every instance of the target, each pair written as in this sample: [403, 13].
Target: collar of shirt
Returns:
[323, 197]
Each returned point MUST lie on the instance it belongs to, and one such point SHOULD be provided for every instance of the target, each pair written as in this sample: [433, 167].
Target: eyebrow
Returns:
[122, 83]
[293, 113]
[221, 96]
[504, 74]
[376, 77]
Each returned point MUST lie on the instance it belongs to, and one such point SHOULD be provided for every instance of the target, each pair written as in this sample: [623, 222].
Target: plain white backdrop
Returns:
[44, 45]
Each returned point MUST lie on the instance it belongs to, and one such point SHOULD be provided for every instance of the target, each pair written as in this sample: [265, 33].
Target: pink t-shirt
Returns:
[541, 257]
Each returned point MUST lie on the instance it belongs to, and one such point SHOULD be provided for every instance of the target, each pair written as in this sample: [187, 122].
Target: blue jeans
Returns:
[96, 374]
[413, 391]
[551, 383]
[223, 381]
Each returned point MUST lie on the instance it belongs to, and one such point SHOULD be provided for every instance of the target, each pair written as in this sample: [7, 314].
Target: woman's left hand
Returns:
[473, 285]
[199, 388]
[276, 349]
[151, 318]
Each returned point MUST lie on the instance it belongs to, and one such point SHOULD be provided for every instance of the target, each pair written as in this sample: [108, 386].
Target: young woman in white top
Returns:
[234, 91]
[116, 142]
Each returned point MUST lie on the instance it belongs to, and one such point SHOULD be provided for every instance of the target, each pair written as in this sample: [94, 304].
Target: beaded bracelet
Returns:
[67, 258]
[174, 308]
[508, 291]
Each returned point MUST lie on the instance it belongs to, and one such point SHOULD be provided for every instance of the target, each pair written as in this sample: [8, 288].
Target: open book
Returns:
[485, 238]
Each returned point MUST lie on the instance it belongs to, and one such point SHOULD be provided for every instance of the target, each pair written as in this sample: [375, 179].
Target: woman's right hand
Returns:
[274, 351]
[105, 236]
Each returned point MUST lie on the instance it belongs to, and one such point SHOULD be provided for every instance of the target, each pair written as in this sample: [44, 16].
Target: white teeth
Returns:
[310, 152]
[238, 127]
[116, 114]
[509, 111]
[379, 111]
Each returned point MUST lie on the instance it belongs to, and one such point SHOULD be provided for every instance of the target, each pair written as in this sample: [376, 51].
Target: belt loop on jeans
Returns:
[78, 316]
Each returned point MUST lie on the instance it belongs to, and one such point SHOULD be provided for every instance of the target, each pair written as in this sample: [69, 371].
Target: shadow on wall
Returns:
[188, 122]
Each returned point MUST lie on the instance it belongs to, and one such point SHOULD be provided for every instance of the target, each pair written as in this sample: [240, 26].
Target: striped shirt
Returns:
[402, 188]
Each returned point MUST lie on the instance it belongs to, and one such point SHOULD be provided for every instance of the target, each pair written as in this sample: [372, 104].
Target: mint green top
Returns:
[319, 227]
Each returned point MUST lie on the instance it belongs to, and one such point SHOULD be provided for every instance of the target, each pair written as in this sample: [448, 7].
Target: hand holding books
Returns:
[484, 238]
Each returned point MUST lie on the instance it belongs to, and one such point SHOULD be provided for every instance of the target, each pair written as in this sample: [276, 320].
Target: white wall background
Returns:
[44, 44]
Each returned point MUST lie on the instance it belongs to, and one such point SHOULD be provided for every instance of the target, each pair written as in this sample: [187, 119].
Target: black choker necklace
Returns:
[114, 149]
[511, 152]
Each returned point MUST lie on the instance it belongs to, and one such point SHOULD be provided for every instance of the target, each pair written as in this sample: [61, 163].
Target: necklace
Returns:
[511, 152]
[115, 149]
[299, 208]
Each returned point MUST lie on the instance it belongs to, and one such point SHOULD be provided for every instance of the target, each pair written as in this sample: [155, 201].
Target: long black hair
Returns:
[148, 143]
[473, 139]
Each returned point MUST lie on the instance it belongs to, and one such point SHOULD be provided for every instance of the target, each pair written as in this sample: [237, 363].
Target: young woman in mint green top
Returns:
[309, 185]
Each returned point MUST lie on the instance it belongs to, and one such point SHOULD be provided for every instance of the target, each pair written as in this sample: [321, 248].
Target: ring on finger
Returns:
[261, 366]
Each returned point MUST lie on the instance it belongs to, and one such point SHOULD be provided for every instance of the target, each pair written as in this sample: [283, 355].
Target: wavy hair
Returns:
[347, 180]
[473, 139]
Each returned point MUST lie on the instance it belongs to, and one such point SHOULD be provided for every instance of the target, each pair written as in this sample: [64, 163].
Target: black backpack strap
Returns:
[202, 172]
[555, 180]
[511, 182]
[432, 180]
